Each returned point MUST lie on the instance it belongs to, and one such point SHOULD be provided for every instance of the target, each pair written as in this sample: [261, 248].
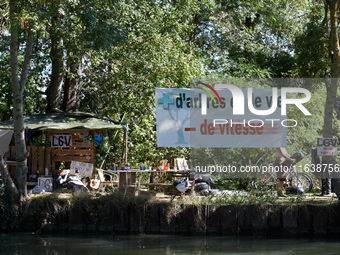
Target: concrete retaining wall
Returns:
[258, 220]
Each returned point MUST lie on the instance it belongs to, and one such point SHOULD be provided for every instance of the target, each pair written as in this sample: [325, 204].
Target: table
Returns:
[127, 178]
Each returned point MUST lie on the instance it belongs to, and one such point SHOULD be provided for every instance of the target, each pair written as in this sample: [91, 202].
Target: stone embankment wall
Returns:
[257, 220]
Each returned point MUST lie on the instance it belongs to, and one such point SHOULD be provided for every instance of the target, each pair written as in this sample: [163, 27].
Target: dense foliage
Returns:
[127, 48]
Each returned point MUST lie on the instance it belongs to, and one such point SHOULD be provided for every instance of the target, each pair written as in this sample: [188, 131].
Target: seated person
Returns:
[282, 159]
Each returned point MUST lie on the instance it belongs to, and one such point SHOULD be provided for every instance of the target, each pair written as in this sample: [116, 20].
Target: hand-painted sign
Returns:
[46, 183]
[82, 169]
[63, 141]
[327, 147]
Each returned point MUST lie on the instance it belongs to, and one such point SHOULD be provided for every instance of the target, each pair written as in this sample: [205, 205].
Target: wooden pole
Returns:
[126, 142]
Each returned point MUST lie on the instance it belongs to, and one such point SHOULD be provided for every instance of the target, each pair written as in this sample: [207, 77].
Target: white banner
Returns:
[193, 118]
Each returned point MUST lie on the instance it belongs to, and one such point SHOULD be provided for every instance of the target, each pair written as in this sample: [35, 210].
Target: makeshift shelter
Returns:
[70, 138]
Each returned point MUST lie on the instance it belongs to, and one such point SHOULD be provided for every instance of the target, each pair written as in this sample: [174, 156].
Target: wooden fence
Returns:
[41, 157]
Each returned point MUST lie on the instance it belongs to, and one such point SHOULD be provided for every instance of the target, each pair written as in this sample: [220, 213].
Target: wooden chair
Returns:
[113, 179]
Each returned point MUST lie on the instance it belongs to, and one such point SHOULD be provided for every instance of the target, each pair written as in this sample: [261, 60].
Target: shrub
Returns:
[9, 211]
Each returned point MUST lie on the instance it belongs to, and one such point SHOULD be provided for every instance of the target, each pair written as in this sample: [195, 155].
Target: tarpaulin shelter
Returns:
[5, 139]
[64, 121]
[70, 137]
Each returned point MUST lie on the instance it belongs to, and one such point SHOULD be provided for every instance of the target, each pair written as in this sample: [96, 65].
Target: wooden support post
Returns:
[34, 160]
[126, 143]
[41, 160]
[48, 159]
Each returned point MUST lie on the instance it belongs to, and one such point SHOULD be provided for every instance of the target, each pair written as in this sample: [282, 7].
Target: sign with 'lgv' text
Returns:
[327, 147]
[63, 141]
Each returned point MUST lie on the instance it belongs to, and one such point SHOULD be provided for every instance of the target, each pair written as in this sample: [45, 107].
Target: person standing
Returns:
[326, 183]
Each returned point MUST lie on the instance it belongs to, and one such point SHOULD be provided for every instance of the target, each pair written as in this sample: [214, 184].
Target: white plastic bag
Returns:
[182, 185]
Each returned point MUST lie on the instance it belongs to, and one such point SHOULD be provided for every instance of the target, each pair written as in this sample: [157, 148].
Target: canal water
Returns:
[160, 245]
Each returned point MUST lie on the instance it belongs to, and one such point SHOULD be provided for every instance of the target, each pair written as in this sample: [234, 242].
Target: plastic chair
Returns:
[113, 179]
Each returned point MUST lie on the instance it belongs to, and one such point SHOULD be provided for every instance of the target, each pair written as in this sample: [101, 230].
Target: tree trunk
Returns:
[332, 87]
[54, 89]
[72, 87]
[18, 87]
[7, 178]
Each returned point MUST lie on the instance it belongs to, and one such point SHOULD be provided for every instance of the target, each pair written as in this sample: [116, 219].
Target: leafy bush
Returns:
[223, 183]
[9, 212]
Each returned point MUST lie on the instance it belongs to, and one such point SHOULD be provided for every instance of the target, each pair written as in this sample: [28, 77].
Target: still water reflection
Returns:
[159, 244]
